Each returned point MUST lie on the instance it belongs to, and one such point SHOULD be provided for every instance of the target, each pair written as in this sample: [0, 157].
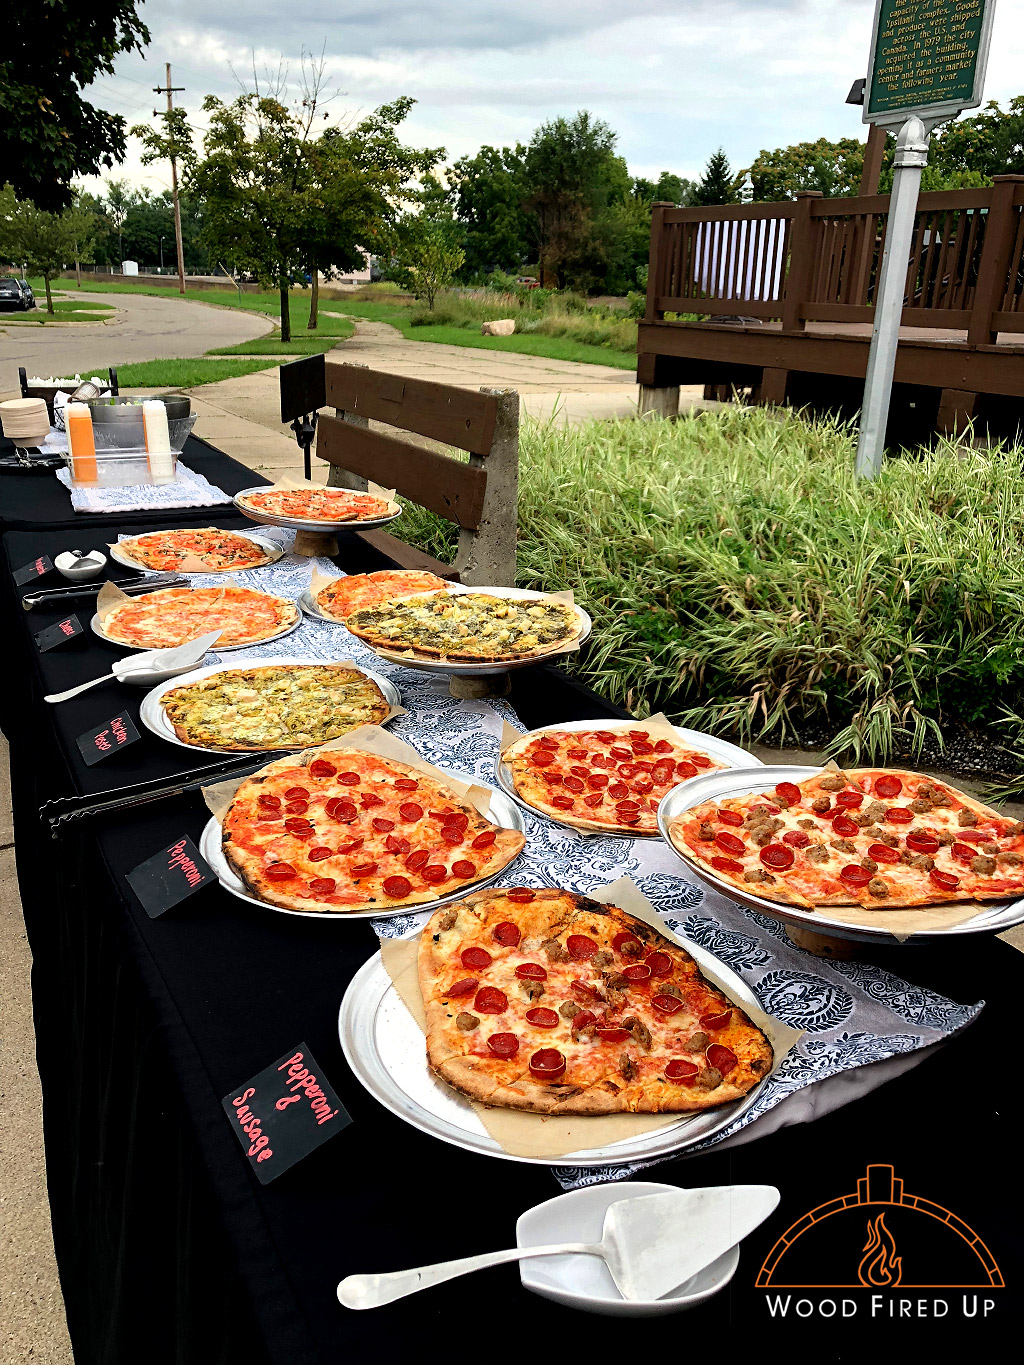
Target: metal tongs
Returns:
[130, 586]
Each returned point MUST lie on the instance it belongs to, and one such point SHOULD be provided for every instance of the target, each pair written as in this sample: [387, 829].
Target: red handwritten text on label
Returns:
[302, 1079]
[180, 859]
[67, 627]
[260, 1148]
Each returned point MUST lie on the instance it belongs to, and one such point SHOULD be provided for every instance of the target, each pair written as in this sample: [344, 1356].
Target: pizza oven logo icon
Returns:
[880, 1236]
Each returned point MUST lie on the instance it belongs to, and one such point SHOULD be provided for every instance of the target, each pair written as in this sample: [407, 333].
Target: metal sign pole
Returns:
[911, 158]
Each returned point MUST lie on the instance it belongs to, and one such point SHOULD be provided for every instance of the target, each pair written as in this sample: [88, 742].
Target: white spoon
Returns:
[115, 672]
[158, 664]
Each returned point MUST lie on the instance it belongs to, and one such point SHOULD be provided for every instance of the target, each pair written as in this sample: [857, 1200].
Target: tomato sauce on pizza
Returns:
[342, 596]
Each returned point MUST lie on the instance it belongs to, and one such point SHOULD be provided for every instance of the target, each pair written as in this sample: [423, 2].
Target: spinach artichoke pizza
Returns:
[472, 626]
[281, 706]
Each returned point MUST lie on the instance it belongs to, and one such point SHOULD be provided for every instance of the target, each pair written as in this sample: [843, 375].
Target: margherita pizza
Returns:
[318, 504]
[159, 620]
[342, 596]
[880, 838]
[351, 831]
[471, 626]
[220, 551]
[548, 1001]
[605, 780]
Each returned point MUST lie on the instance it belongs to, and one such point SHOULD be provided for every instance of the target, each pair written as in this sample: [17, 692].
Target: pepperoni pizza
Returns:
[342, 596]
[880, 838]
[318, 504]
[220, 551]
[548, 1001]
[350, 831]
[602, 780]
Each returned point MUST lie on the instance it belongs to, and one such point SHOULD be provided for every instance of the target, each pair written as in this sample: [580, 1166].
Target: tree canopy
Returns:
[833, 168]
[718, 184]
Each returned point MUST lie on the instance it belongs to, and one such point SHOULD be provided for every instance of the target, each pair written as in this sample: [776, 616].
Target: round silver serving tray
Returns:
[500, 811]
[990, 919]
[220, 649]
[154, 717]
[721, 749]
[309, 605]
[385, 1048]
[264, 542]
[303, 523]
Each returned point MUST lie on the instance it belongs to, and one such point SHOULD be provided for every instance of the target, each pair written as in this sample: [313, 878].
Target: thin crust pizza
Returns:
[280, 706]
[551, 1002]
[171, 616]
[470, 626]
[318, 504]
[352, 831]
[342, 596]
[220, 551]
[608, 781]
[884, 839]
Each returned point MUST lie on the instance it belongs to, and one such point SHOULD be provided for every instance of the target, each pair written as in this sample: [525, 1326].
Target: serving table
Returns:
[170, 1250]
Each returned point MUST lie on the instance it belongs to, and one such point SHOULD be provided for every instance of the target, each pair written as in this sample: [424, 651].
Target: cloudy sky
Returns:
[674, 78]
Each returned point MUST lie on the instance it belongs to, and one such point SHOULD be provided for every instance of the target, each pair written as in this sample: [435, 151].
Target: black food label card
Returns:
[169, 876]
[36, 568]
[284, 1113]
[107, 738]
[58, 634]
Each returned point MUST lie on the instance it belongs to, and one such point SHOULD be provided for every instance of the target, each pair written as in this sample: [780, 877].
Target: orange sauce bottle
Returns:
[81, 443]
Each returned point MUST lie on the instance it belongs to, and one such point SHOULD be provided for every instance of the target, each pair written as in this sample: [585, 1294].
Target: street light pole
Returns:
[170, 91]
[161, 254]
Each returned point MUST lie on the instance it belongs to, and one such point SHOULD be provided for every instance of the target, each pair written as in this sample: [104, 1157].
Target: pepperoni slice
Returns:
[452, 834]
[729, 843]
[563, 802]
[463, 869]
[944, 879]
[888, 786]
[548, 1063]
[397, 887]
[484, 840]
[466, 986]
[922, 842]
[417, 860]
[623, 755]
[542, 758]
[280, 872]
[603, 761]
[730, 817]
[343, 811]
[296, 793]
[796, 838]
[410, 811]
[381, 825]
[644, 783]
[963, 853]
[542, 1018]
[715, 1021]
[855, 875]
[368, 799]
[433, 873]
[489, 1000]
[597, 781]
[503, 1044]
[349, 779]
[318, 854]
[394, 844]
[406, 784]
[548, 741]
[322, 886]
[850, 799]
[667, 1004]
[321, 768]
[973, 836]
[628, 945]
[506, 933]
[297, 807]
[899, 815]
[660, 964]
[573, 784]
[727, 865]
[605, 736]
[845, 827]
[584, 993]
[297, 826]
[594, 799]
[351, 846]
[612, 1033]
[583, 1020]
[882, 853]
[681, 1071]
[580, 947]
[685, 770]
[618, 790]
[764, 810]
[701, 760]
[722, 1058]
[522, 895]
[531, 971]
[576, 754]
[456, 819]
[788, 792]
[553, 779]
[777, 856]
[364, 869]
[639, 971]
[271, 802]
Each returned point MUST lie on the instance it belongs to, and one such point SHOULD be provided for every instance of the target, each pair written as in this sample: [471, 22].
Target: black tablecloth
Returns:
[169, 1248]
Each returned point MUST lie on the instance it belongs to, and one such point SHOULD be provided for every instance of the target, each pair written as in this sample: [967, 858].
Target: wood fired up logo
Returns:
[880, 1237]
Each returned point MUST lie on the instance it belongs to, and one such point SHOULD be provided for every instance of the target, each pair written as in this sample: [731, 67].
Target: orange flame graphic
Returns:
[880, 1267]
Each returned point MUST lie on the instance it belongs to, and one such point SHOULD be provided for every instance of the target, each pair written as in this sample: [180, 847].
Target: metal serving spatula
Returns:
[650, 1244]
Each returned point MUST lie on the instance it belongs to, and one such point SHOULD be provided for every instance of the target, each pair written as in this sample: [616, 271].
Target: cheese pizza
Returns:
[470, 626]
[318, 504]
[548, 1001]
[171, 616]
[342, 596]
[220, 551]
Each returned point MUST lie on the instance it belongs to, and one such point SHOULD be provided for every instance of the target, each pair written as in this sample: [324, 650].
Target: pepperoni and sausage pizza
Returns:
[352, 831]
[879, 838]
[342, 596]
[318, 504]
[548, 1001]
[171, 616]
[471, 626]
[602, 780]
[220, 551]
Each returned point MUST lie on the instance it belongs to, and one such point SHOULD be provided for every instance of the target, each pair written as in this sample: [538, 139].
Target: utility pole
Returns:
[170, 90]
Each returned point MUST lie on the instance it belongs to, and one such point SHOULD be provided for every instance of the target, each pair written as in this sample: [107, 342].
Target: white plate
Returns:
[154, 717]
[264, 542]
[721, 749]
[301, 523]
[991, 919]
[386, 1050]
[500, 811]
[583, 1282]
[461, 669]
[220, 649]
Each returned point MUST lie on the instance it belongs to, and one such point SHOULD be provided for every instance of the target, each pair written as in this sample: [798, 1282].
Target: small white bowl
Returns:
[80, 568]
[583, 1281]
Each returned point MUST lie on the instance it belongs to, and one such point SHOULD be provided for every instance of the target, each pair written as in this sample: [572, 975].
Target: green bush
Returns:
[542, 312]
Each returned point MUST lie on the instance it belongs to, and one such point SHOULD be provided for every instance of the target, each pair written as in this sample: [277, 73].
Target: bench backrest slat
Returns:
[455, 416]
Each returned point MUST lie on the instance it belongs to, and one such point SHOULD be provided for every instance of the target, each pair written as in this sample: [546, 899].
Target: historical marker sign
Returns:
[927, 58]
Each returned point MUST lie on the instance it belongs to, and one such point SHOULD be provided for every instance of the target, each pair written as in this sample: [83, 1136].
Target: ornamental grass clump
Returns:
[742, 579]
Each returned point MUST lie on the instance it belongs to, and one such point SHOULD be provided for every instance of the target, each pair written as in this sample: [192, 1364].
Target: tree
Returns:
[427, 256]
[82, 223]
[667, 189]
[490, 190]
[118, 202]
[51, 50]
[717, 185]
[834, 168]
[45, 242]
[990, 143]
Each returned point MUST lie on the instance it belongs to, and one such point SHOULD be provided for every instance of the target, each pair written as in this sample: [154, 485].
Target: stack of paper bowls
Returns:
[25, 421]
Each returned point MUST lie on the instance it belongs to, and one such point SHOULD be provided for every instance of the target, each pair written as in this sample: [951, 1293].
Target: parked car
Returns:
[530, 281]
[13, 294]
[26, 289]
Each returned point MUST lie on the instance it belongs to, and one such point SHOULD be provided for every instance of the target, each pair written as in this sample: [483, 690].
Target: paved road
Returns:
[148, 329]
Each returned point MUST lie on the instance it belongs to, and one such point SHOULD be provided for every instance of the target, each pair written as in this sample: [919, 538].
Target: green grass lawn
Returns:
[75, 306]
[181, 374]
[309, 344]
[554, 348]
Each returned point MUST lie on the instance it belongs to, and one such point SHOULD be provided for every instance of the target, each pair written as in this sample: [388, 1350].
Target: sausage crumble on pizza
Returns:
[551, 1002]
[351, 831]
[342, 596]
[171, 616]
[220, 551]
[879, 838]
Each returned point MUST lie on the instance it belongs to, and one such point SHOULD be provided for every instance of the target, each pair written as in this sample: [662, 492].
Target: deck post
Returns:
[802, 260]
[995, 260]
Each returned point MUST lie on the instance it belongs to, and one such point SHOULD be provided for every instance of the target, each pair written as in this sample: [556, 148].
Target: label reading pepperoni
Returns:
[580, 947]
[506, 933]
[489, 1000]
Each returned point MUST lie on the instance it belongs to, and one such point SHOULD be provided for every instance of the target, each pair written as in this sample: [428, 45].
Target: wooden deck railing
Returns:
[812, 259]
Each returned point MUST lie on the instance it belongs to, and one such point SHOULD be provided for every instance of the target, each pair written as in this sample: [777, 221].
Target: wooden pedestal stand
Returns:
[824, 945]
[474, 686]
[314, 543]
